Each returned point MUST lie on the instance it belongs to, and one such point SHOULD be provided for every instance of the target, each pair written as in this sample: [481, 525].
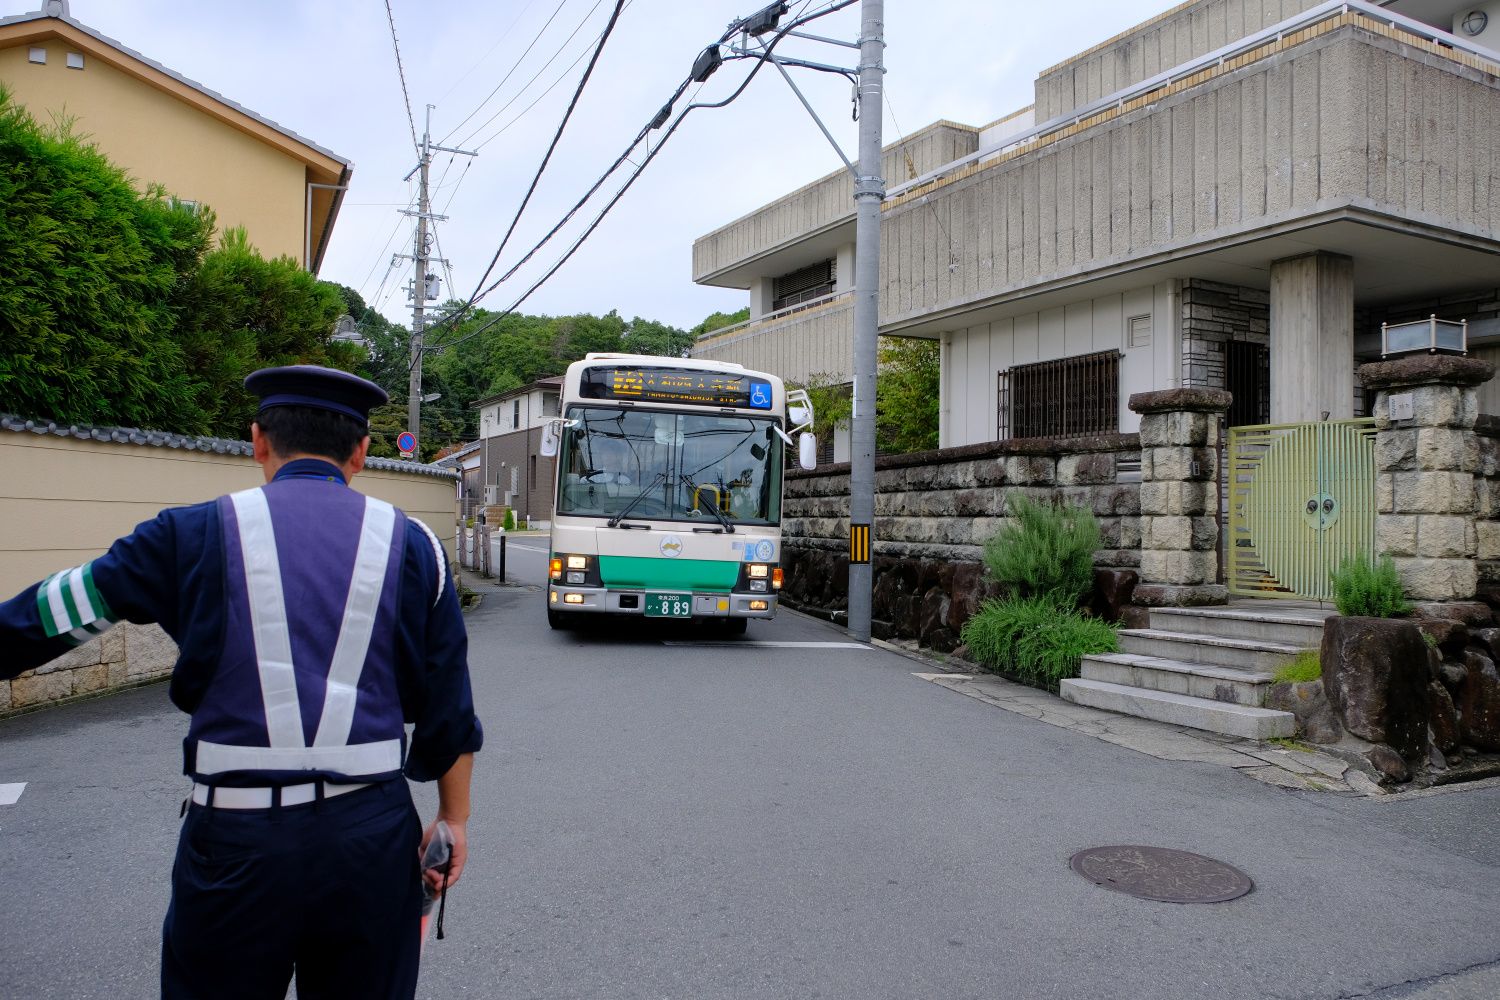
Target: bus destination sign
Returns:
[684, 386]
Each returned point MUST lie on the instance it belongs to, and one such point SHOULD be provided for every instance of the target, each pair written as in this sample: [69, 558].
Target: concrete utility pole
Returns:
[421, 257]
[869, 192]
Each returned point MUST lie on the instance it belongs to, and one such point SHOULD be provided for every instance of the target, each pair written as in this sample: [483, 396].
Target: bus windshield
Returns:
[711, 469]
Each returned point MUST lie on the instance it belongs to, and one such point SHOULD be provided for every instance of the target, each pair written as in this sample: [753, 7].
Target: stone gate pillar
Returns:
[1180, 496]
[1426, 455]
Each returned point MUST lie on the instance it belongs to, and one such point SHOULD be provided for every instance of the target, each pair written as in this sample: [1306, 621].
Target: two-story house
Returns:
[163, 128]
[514, 471]
[1234, 194]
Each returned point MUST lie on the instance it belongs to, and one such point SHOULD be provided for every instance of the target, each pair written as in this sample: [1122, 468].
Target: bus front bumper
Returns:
[600, 600]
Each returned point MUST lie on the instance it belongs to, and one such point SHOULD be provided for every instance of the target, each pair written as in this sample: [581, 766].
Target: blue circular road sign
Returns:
[406, 441]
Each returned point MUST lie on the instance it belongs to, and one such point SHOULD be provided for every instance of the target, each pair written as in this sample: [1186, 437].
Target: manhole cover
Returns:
[1162, 874]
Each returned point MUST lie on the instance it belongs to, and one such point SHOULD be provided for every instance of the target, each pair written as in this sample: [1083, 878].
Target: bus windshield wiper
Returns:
[714, 508]
[614, 522]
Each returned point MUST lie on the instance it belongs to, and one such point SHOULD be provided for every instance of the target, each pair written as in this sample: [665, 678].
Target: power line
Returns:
[535, 101]
[537, 75]
[504, 35]
[547, 157]
[381, 256]
[401, 72]
[509, 72]
[760, 60]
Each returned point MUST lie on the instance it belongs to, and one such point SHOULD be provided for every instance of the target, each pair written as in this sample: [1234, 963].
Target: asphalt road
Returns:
[664, 814]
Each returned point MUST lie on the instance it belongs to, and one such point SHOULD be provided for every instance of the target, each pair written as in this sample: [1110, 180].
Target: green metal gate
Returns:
[1301, 499]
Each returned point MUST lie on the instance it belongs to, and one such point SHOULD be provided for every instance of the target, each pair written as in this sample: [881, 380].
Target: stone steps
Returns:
[1198, 680]
[1247, 654]
[1181, 710]
[1208, 668]
[1302, 628]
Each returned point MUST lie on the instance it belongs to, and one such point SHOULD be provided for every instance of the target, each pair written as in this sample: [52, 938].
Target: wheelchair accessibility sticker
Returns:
[760, 395]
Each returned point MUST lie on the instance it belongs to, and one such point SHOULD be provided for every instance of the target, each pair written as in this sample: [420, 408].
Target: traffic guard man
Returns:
[312, 623]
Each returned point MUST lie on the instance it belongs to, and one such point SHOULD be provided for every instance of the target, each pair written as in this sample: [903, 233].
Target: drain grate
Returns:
[1162, 874]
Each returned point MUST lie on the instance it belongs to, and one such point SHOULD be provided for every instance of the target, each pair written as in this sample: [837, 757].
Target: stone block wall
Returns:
[125, 656]
[1429, 472]
[1179, 437]
[934, 511]
[1213, 314]
[1487, 512]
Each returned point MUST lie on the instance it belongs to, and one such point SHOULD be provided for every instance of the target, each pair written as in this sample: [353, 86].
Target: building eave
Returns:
[324, 163]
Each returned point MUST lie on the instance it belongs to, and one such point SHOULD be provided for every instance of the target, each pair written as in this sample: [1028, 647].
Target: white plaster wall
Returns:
[973, 356]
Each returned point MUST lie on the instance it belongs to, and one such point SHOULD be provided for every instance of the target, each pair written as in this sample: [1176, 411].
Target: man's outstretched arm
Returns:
[75, 605]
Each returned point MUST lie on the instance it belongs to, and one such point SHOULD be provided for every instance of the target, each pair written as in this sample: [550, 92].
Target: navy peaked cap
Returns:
[317, 387]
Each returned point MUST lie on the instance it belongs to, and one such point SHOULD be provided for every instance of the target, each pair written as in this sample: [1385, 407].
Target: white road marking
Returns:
[768, 643]
[10, 793]
[943, 677]
[526, 548]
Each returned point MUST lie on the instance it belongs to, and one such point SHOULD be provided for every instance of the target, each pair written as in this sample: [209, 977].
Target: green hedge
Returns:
[116, 308]
[1035, 638]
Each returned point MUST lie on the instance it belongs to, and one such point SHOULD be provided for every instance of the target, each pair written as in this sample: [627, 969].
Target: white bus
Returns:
[668, 495]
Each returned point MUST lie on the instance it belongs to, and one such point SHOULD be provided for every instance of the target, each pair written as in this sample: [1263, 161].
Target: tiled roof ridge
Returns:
[184, 442]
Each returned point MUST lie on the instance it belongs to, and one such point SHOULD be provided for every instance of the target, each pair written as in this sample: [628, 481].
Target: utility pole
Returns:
[421, 290]
[869, 192]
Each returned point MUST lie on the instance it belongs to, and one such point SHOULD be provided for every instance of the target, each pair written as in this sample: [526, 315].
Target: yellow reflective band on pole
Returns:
[859, 543]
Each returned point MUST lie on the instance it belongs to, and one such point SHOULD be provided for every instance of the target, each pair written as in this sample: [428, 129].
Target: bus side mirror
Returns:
[551, 438]
[807, 450]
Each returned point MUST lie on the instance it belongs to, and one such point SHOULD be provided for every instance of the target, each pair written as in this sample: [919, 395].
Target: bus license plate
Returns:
[669, 606]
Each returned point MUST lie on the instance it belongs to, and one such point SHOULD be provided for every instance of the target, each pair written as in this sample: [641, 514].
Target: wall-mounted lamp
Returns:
[1430, 335]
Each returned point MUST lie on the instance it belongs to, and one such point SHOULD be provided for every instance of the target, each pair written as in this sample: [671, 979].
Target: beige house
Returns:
[166, 129]
[1235, 194]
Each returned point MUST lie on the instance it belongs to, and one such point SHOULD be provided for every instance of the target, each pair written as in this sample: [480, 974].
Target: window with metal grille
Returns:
[807, 283]
[1064, 398]
[1247, 376]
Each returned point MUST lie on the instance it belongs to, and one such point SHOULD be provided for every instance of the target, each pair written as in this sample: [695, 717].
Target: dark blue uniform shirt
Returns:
[170, 571]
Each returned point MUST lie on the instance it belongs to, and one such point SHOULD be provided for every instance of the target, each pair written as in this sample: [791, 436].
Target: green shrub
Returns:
[1036, 639]
[1368, 588]
[1045, 550]
[1300, 669]
[510, 519]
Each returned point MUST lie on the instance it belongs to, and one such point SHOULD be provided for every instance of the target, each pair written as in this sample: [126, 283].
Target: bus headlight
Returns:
[575, 576]
[759, 571]
[758, 605]
[572, 598]
[578, 562]
[759, 586]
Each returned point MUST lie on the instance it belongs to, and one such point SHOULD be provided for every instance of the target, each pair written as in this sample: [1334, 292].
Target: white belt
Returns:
[227, 797]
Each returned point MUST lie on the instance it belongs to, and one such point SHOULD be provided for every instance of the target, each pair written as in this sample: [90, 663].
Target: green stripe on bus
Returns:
[654, 573]
[101, 606]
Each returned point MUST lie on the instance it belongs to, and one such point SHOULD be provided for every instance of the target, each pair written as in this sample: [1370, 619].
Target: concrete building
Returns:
[1234, 194]
[514, 472]
[165, 129]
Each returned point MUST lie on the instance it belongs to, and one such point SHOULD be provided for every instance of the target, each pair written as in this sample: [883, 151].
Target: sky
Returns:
[326, 69]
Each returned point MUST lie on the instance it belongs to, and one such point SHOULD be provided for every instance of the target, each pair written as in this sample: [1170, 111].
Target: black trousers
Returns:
[329, 889]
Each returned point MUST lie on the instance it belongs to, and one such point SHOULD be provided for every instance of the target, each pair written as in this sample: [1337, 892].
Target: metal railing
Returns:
[772, 317]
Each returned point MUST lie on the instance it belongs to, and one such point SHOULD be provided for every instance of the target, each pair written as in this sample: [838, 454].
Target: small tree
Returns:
[1045, 550]
[906, 415]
